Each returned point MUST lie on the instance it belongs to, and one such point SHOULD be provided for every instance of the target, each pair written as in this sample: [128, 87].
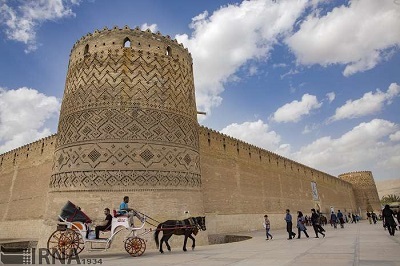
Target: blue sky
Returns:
[315, 81]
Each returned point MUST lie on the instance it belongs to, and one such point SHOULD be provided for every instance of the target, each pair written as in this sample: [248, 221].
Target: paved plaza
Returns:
[356, 244]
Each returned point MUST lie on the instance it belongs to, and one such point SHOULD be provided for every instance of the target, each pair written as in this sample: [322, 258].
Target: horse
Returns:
[185, 227]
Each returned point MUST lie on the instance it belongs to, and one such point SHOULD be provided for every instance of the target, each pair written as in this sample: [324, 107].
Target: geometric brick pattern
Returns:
[126, 156]
[103, 124]
[124, 180]
[127, 110]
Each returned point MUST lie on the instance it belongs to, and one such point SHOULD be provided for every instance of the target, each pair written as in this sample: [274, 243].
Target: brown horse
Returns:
[185, 227]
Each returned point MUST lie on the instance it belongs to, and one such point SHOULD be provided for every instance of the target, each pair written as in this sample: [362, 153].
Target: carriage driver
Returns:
[124, 209]
[106, 224]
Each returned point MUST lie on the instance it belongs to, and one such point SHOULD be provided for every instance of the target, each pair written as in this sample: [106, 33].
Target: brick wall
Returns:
[242, 182]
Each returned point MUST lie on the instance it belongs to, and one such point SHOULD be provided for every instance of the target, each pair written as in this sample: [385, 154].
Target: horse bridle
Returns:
[198, 226]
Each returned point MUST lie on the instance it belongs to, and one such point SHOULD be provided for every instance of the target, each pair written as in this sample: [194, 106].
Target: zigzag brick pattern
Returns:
[128, 118]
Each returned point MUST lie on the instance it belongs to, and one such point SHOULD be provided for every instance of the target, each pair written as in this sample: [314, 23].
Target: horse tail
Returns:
[156, 235]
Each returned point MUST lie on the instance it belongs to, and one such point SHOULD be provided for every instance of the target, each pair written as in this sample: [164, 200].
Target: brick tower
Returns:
[128, 126]
[365, 191]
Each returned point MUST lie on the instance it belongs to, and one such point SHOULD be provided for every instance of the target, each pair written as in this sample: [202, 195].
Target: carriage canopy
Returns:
[72, 213]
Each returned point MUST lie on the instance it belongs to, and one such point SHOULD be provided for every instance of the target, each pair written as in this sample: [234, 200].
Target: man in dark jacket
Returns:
[106, 225]
[340, 218]
[316, 224]
[388, 219]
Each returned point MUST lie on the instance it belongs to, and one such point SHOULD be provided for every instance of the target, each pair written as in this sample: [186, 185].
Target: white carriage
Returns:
[73, 234]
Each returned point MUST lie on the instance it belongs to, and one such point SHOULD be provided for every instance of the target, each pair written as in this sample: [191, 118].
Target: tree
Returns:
[390, 198]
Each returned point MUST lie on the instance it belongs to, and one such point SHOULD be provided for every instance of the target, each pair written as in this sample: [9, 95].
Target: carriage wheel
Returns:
[135, 246]
[65, 244]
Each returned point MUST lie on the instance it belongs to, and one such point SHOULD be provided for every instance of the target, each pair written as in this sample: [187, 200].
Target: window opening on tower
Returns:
[127, 42]
[86, 49]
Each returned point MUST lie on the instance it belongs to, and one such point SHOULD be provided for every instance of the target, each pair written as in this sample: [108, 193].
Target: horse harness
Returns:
[186, 224]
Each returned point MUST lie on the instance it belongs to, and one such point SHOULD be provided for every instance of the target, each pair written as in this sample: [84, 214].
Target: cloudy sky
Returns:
[315, 81]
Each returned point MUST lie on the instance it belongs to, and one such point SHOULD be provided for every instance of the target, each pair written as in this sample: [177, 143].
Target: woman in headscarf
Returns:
[301, 227]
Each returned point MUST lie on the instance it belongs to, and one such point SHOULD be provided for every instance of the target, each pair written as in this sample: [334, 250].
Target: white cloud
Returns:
[294, 111]
[253, 70]
[365, 147]
[290, 73]
[23, 113]
[22, 18]
[359, 36]
[223, 42]
[310, 128]
[395, 136]
[370, 103]
[152, 27]
[331, 96]
[281, 65]
[256, 133]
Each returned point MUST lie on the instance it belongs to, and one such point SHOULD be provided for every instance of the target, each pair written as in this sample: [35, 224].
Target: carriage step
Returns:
[100, 240]
[97, 249]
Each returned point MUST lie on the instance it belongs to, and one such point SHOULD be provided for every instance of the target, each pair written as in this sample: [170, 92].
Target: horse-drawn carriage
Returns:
[73, 230]
[73, 233]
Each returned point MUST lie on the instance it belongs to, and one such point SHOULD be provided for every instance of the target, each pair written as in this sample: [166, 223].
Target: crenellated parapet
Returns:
[108, 40]
[243, 150]
[36, 151]
[116, 30]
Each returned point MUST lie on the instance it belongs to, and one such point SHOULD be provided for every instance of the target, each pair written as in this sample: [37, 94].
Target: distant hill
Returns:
[389, 186]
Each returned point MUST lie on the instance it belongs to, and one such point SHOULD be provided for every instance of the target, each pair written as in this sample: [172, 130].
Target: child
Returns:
[267, 226]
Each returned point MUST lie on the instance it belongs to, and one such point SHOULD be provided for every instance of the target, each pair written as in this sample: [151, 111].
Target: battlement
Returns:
[359, 178]
[356, 173]
[30, 146]
[107, 40]
[219, 141]
[126, 27]
[31, 151]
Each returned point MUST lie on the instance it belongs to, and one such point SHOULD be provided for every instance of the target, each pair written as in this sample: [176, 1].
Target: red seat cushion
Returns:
[116, 214]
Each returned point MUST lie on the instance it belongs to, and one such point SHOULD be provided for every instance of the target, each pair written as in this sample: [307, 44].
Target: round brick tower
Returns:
[365, 191]
[128, 126]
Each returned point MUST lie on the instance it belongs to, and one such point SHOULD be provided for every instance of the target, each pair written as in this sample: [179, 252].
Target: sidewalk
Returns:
[356, 244]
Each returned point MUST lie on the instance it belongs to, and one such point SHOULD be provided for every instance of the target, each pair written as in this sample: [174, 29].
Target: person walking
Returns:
[353, 218]
[301, 227]
[267, 226]
[369, 216]
[316, 224]
[388, 219]
[374, 218]
[398, 219]
[334, 220]
[339, 215]
[289, 224]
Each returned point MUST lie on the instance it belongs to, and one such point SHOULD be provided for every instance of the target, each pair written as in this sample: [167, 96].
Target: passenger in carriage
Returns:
[125, 210]
[106, 224]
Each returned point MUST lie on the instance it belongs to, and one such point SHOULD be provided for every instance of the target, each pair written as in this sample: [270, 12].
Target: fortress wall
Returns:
[24, 182]
[242, 182]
